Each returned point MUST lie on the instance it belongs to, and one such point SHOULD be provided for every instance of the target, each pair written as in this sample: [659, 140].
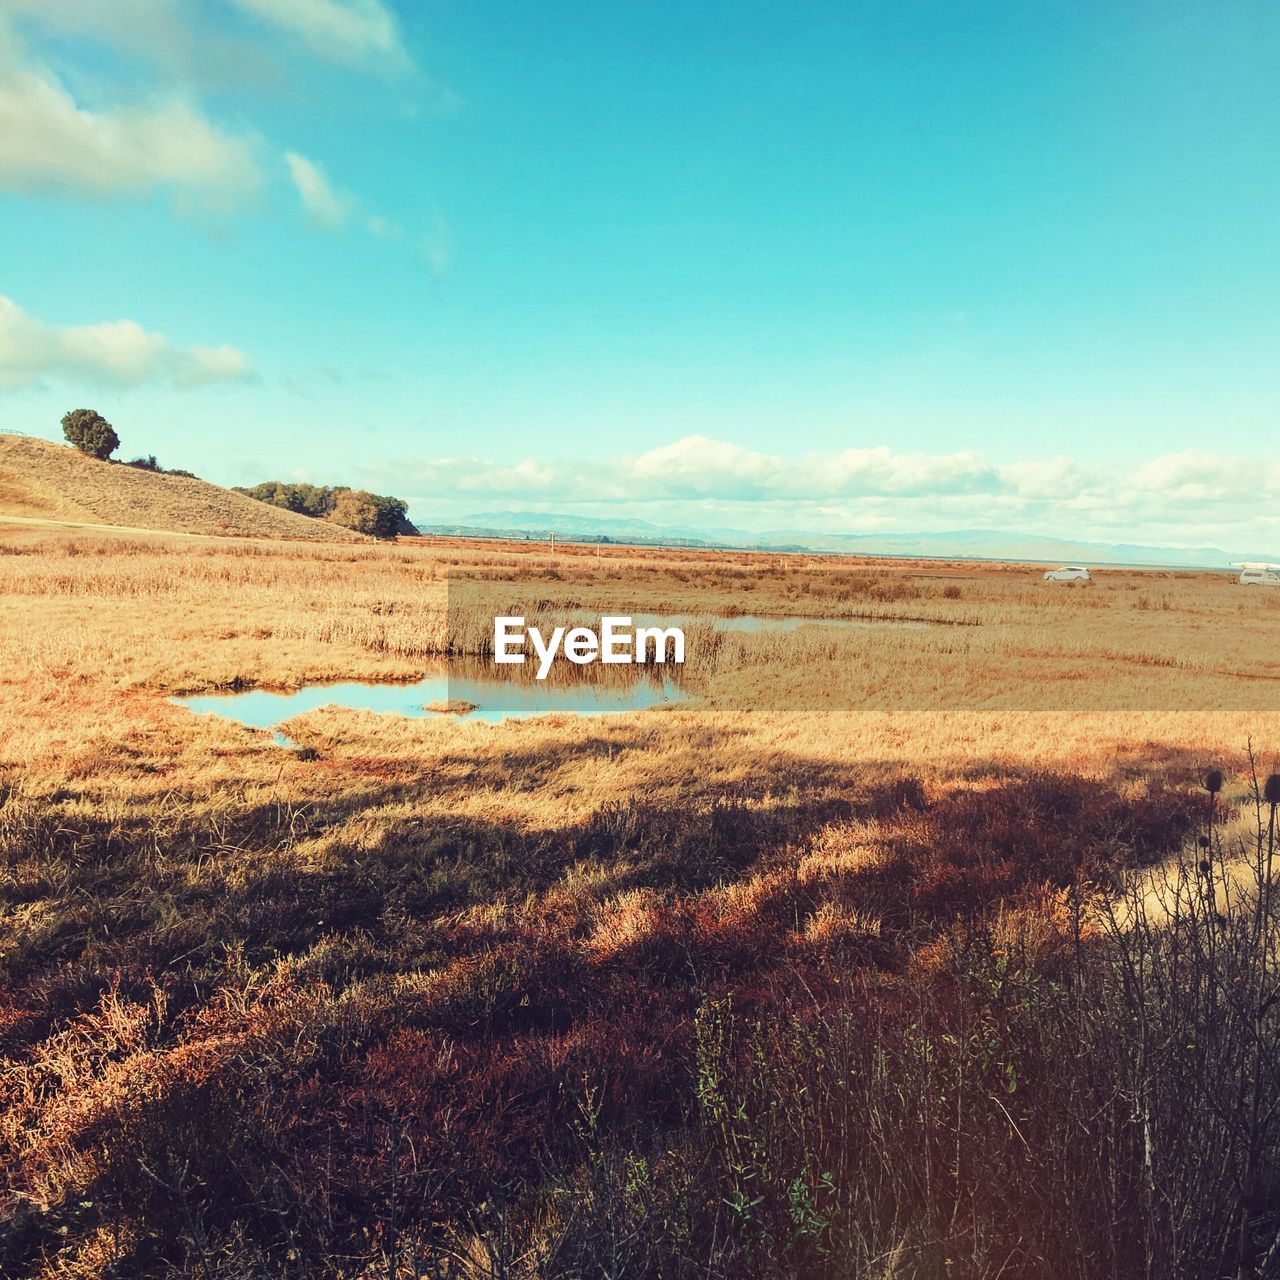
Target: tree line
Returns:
[375, 514]
[358, 509]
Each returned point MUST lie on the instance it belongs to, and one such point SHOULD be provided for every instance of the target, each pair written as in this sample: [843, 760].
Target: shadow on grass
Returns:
[272, 997]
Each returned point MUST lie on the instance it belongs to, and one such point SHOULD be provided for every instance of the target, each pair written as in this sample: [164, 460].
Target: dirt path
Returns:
[105, 528]
[46, 523]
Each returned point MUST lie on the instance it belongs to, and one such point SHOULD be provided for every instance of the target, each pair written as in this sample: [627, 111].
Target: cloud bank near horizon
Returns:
[1181, 499]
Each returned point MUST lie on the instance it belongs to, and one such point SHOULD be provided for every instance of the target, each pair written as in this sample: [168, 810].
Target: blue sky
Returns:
[858, 266]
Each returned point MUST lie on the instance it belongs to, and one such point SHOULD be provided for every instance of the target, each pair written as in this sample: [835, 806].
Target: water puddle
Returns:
[468, 689]
[461, 691]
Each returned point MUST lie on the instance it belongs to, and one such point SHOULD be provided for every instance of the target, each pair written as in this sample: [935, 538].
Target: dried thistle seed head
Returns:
[1205, 868]
[1271, 789]
[1203, 842]
[1213, 781]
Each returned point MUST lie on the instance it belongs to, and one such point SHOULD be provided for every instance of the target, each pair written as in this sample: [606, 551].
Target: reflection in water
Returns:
[471, 686]
[467, 689]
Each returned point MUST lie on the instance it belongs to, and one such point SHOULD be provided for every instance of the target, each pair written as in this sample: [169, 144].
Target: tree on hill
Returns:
[90, 432]
[306, 499]
[392, 516]
[273, 492]
[149, 463]
[356, 509]
[374, 513]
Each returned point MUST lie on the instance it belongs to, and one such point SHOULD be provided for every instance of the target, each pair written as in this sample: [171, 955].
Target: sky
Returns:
[844, 267]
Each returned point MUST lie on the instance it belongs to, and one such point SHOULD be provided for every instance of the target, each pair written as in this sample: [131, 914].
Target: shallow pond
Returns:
[479, 696]
[476, 694]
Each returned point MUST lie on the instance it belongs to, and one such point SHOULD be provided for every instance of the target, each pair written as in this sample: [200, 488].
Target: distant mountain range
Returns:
[968, 544]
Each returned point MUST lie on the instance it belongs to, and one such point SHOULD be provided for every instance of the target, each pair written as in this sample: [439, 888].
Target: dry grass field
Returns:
[818, 974]
[55, 482]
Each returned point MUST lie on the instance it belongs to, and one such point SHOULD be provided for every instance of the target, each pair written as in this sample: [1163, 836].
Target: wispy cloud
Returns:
[436, 246]
[184, 45]
[329, 207]
[376, 225]
[159, 30]
[68, 131]
[359, 32]
[117, 353]
[323, 204]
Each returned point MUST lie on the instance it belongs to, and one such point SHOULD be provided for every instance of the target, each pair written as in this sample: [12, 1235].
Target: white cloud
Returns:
[1196, 476]
[360, 32]
[157, 29]
[880, 470]
[696, 468]
[181, 42]
[117, 352]
[48, 141]
[331, 208]
[73, 134]
[324, 204]
[1050, 478]
[1182, 499]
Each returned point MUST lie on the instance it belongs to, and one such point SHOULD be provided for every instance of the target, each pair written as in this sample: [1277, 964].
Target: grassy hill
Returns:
[55, 482]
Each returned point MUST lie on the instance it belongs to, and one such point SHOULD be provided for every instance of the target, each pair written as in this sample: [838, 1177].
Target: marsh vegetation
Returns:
[741, 988]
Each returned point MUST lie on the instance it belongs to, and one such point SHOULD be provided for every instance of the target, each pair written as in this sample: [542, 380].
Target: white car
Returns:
[1069, 573]
[1259, 578]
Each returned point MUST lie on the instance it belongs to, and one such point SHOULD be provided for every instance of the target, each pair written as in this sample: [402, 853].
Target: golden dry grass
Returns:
[55, 482]
[96, 630]
[306, 899]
